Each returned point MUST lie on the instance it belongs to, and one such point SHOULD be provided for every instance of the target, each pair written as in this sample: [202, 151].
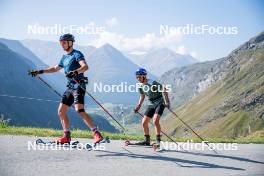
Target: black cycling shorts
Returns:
[75, 96]
[155, 110]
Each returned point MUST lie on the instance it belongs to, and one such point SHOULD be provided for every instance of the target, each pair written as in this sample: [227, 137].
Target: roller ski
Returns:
[43, 142]
[64, 140]
[141, 143]
[145, 142]
[97, 144]
[98, 139]
[157, 146]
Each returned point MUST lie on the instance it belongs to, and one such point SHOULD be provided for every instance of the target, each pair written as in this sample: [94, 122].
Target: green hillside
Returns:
[232, 106]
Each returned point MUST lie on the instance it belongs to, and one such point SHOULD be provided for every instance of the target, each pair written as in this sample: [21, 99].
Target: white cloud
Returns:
[193, 54]
[111, 22]
[181, 50]
[146, 42]
[138, 52]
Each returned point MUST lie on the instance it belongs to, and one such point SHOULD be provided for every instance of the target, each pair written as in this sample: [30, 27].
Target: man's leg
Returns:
[156, 119]
[79, 95]
[145, 122]
[66, 102]
[89, 122]
[62, 112]
[86, 118]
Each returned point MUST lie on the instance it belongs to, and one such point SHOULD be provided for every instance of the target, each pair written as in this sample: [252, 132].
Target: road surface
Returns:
[114, 159]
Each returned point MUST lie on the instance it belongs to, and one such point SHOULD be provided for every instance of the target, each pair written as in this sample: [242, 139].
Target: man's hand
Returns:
[34, 73]
[137, 108]
[72, 74]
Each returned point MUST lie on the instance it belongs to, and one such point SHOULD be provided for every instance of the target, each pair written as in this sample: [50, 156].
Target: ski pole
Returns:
[164, 133]
[41, 79]
[190, 128]
[99, 104]
[47, 84]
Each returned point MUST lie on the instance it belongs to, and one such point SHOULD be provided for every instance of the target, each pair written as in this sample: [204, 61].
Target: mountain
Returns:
[189, 81]
[56, 79]
[230, 98]
[161, 60]
[15, 81]
[110, 67]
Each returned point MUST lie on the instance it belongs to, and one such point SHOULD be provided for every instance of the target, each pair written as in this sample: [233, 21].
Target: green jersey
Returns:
[153, 91]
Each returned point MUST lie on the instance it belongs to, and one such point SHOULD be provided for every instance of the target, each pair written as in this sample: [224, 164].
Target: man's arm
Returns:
[141, 99]
[84, 67]
[34, 73]
[52, 69]
[166, 97]
[164, 93]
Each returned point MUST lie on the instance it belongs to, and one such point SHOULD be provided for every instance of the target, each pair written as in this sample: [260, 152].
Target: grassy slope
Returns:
[257, 137]
[203, 112]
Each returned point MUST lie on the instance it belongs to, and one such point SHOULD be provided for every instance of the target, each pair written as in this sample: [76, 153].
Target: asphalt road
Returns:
[115, 159]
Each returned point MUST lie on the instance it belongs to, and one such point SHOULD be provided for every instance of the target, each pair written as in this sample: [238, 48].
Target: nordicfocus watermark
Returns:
[125, 87]
[170, 146]
[191, 29]
[58, 29]
[80, 146]
[190, 145]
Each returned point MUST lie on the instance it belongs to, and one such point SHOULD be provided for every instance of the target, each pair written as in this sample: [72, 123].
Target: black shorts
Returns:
[75, 96]
[155, 110]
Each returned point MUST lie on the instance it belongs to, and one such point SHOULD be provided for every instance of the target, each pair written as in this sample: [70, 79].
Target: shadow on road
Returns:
[197, 164]
[218, 156]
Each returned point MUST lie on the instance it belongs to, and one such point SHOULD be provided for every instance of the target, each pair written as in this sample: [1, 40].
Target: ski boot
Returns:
[146, 141]
[97, 137]
[65, 139]
[156, 146]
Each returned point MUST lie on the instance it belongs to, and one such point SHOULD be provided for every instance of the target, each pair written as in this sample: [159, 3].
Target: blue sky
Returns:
[133, 26]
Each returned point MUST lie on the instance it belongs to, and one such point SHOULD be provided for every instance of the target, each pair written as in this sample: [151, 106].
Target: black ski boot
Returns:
[158, 139]
[156, 146]
[146, 142]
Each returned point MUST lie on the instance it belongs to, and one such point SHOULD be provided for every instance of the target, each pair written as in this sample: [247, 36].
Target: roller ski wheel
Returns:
[141, 143]
[155, 146]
